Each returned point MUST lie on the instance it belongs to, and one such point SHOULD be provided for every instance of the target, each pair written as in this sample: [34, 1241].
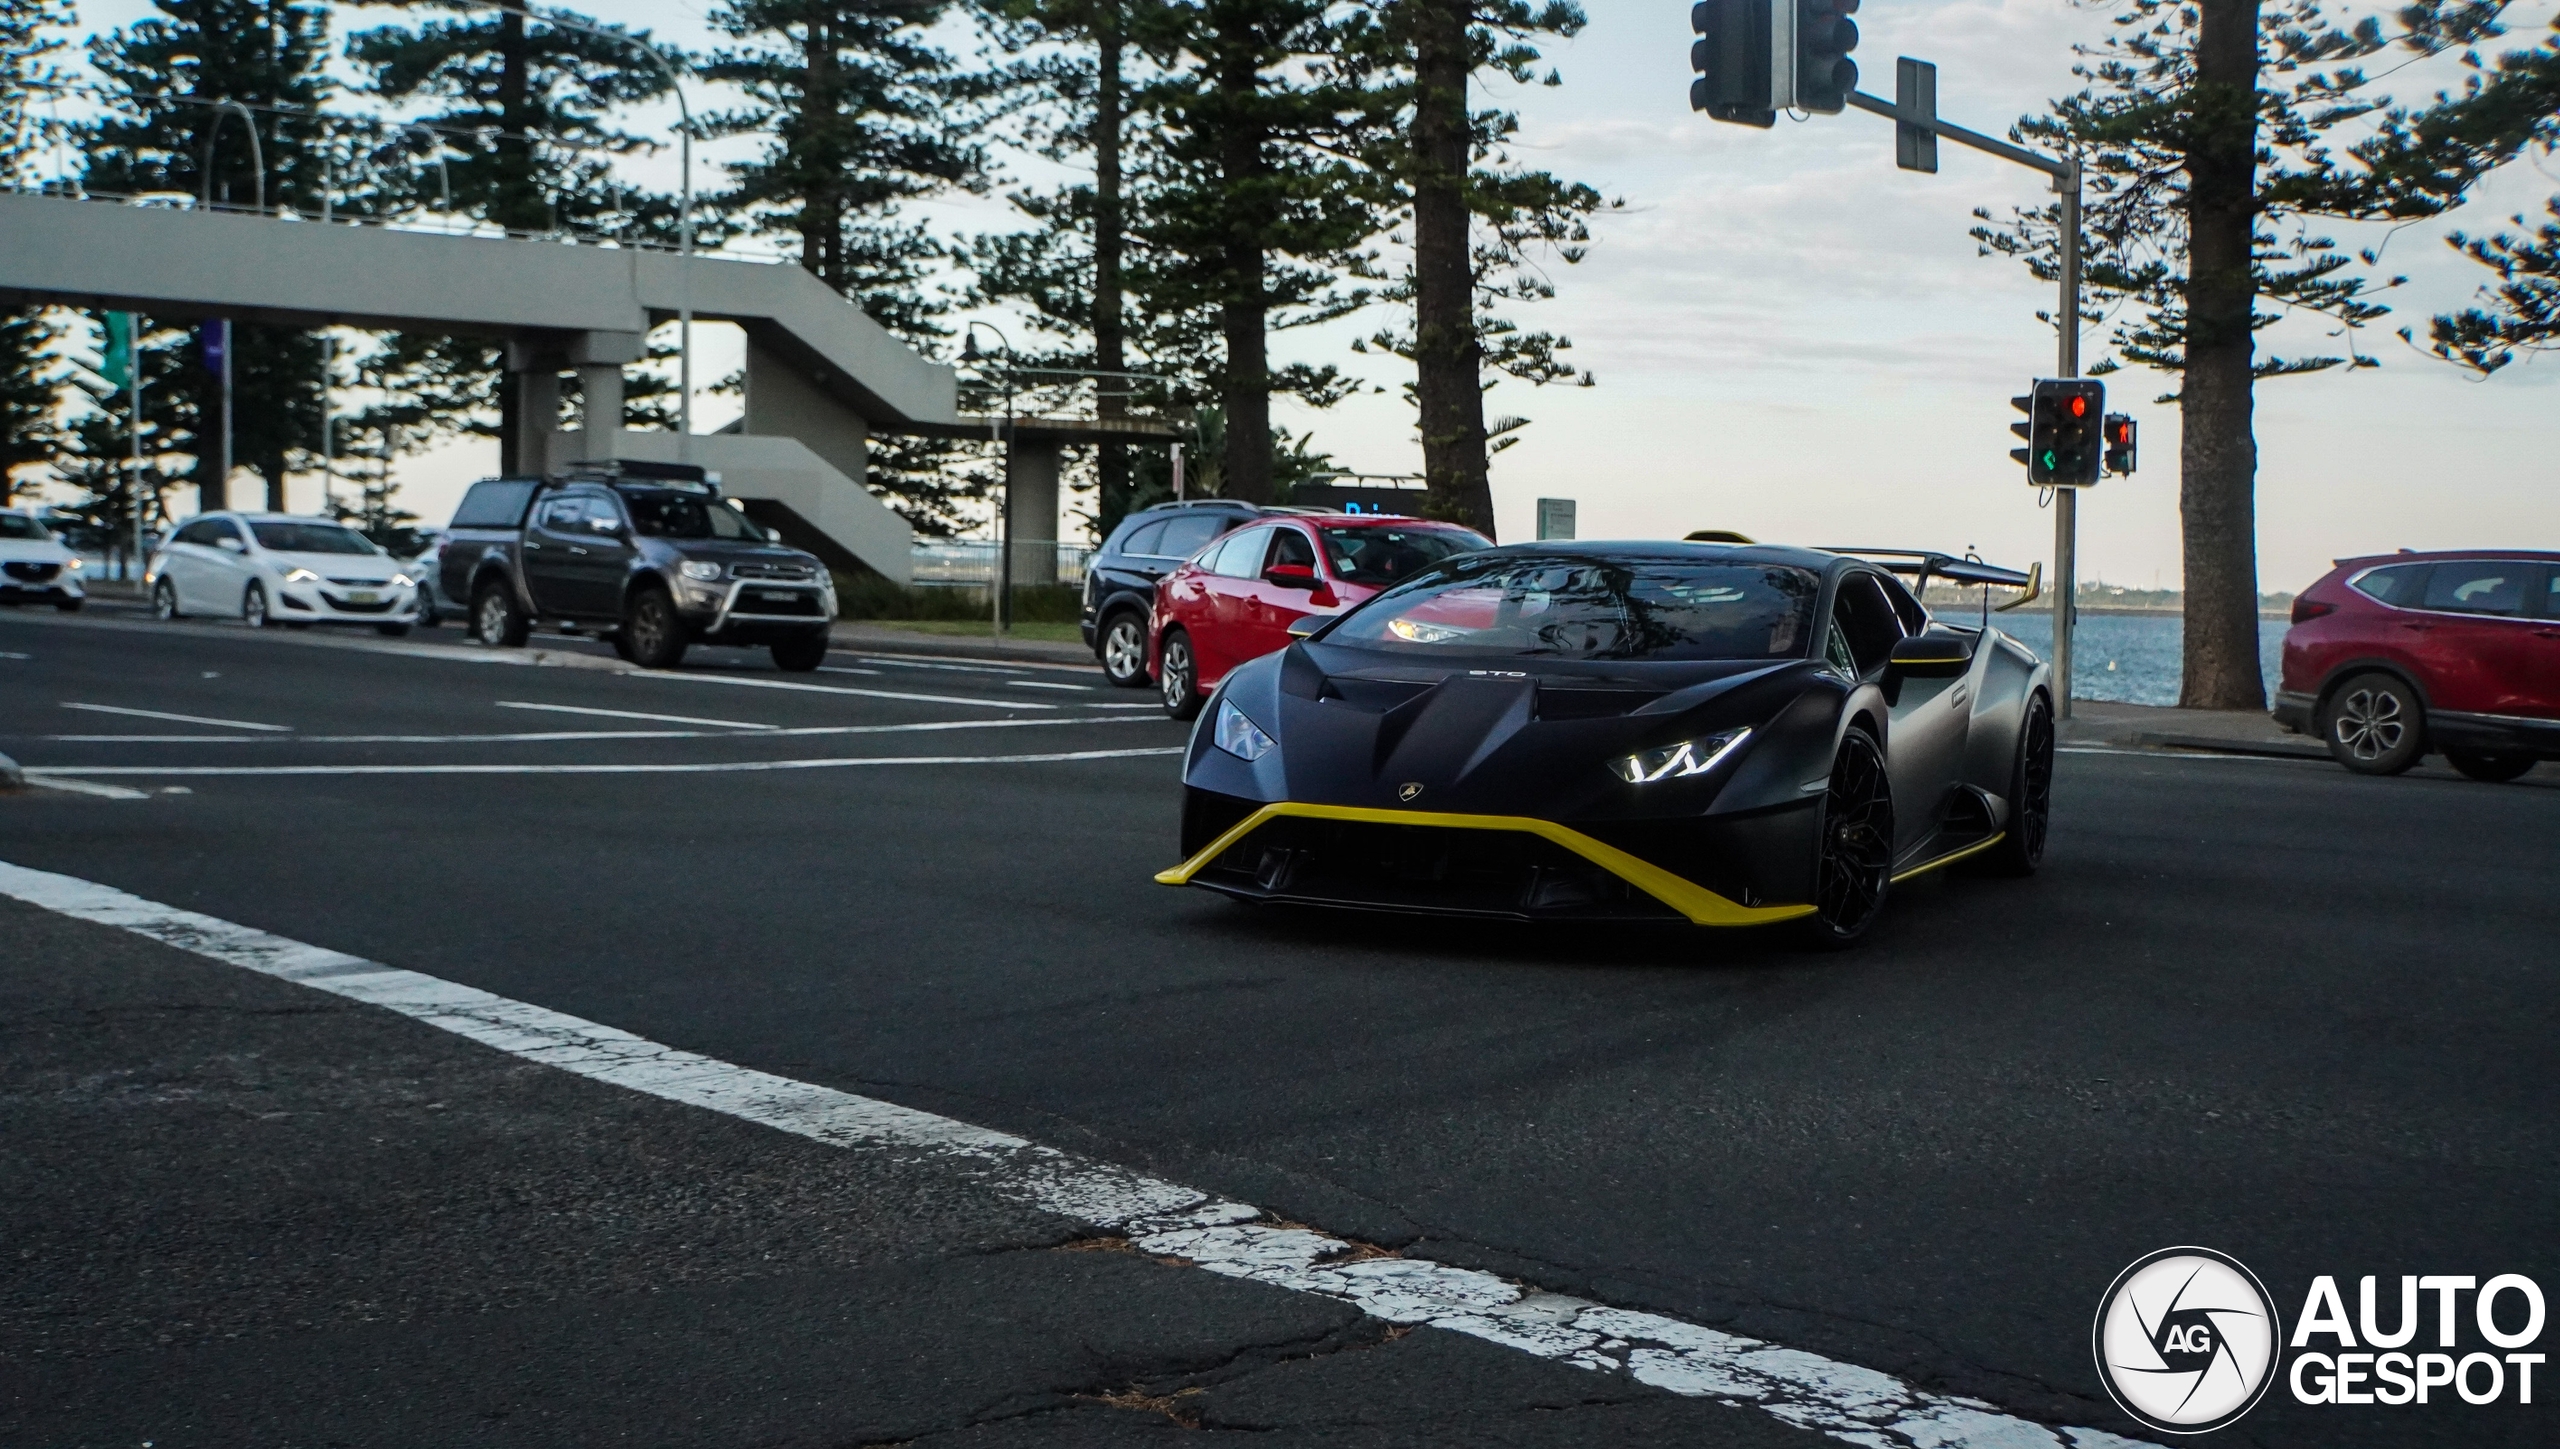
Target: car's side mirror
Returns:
[1934, 655]
[1292, 576]
[1306, 624]
[611, 527]
[233, 544]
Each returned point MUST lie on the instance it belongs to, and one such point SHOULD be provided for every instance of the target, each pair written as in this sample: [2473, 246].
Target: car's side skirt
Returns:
[1951, 857]
[1701, 905]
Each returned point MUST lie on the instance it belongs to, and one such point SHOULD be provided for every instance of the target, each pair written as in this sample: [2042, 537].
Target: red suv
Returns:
[1236, 599]
[2392, 657]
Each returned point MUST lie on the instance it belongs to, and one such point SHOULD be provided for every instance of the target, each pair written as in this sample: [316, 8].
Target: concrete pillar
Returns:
[599, 358]
[1031, 509]
[533, 387]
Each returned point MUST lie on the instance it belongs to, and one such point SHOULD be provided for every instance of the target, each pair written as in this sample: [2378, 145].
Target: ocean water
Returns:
[2126, 658]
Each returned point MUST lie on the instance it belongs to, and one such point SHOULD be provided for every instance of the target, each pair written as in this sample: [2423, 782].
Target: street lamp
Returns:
[684, 277]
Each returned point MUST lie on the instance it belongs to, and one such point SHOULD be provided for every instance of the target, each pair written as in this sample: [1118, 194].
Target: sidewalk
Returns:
[2141, 726]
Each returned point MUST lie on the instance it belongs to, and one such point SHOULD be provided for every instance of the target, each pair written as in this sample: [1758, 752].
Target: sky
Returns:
[1793, 339]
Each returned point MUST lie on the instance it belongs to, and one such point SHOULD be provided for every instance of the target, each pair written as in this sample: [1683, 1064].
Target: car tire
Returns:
[2492, 769]
[652, 631]
[1853, 845]
[495, 619]
[1178, 677]
[2374, 724]
[69, 606]
[392, 631]
[802, 653]
[1124, 649]
[2021, 848]
[253, 608]
[428, 618]
[164, 602]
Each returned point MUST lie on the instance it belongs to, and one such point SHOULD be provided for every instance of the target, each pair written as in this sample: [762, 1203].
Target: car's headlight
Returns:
[1672, 762]
[1414, 631]
[300, 576]
[705, 572]
[403, 581]
[1239, 736]
[77, 564]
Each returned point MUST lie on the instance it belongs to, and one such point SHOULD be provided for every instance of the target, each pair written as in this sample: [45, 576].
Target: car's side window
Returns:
[218, 529]
[561, 513]
[1183, 536]
[1142, 540]
[1289, 546]
[2478, 586]
[2551, 596]
[1866, 622]
[1915, 619]
[1240, 557]
[198, 532]
[2398, 584]
[1837, 654]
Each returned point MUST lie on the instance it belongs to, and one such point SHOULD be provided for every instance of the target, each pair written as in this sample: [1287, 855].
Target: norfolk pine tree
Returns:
[29, 379]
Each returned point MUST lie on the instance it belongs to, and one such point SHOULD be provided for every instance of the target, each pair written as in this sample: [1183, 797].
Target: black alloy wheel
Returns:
[164, 601]
[652, 635]
[2374, 724]
[1853, 863]
[428, 618]
[1124, 649]
[800, 653]
[253, 607]
[2492, 769]
[1179, 676]
[2021, 847]
[495, 621]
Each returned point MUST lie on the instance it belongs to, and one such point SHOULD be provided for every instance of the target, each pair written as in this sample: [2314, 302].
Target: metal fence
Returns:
[973, 564]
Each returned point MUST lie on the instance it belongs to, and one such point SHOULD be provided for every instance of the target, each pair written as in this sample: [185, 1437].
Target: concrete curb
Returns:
[2272, 749]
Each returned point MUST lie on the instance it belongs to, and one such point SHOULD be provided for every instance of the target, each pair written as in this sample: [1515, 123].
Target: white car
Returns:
[279, 568]
[34, 566]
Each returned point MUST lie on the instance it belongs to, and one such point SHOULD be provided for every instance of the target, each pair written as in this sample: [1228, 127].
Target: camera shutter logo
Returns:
[2186, 1340]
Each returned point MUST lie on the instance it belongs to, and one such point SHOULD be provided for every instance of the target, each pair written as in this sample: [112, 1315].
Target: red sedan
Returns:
[1235, 599]
[2390, 658]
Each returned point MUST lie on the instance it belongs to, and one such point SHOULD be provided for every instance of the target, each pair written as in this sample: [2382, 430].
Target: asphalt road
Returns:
[2299, 1016]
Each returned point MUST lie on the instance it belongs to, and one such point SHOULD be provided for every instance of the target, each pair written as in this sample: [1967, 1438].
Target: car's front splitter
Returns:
[1687, 898]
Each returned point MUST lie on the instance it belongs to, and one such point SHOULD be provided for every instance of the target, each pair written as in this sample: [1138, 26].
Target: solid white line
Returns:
[708, 767]
[846, 669]
[233, 724]
[1044, 684]
[555, 736]
[835, 689]
[1165, 1219]
[933, 662]
[12, 654]
[47, 780]
[735, 724]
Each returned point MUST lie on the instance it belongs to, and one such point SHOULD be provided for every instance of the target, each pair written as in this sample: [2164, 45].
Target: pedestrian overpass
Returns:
[821, 377]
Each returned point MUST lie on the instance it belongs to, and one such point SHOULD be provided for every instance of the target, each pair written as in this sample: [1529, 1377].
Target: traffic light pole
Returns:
[2065, 171]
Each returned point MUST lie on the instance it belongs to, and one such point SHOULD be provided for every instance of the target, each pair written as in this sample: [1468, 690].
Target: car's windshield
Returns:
[1383, 556]
[687, 515]
[18, 525]
[310, 538]
[1593, 608]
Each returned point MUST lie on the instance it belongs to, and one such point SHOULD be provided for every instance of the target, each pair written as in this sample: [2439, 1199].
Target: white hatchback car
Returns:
[34, 566]
[278, 568]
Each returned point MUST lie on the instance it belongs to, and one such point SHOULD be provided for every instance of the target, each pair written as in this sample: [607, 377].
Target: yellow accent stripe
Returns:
[1951, 857]
[1702, 906]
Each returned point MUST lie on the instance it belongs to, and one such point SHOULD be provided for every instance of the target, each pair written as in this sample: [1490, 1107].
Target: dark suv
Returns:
[658, 560]
[1120, 583]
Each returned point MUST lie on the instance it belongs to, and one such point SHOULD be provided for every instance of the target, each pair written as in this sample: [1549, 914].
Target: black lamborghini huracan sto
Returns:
[1726, 735]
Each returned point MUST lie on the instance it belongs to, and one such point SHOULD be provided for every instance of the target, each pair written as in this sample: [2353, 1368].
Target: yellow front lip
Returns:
[1701, 905]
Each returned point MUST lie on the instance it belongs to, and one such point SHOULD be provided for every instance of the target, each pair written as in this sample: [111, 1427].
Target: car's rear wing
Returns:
[1922, 565]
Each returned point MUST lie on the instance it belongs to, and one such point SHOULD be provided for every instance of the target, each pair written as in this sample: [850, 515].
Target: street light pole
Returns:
[1002, 590]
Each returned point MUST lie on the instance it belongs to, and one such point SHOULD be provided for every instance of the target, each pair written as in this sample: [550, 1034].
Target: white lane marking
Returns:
[932, 662]
[1045, 684]
[1018, 666]
[836, 689]
[47, 780]
[735, 724]
[846, 669]
[555, 736]
[12, 654]
[1168, 1219]
[706, 767]
[231, 724]
[1123, 706]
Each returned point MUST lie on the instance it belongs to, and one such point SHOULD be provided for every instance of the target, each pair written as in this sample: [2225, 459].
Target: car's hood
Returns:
[33, 550]
[1503, 736]
[733, 551]
[371, 568]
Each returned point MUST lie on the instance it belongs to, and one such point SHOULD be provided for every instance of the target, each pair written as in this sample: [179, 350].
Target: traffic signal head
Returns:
[2063, 431]
[1824, 37]
[2120, 450]
[1731, 57]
